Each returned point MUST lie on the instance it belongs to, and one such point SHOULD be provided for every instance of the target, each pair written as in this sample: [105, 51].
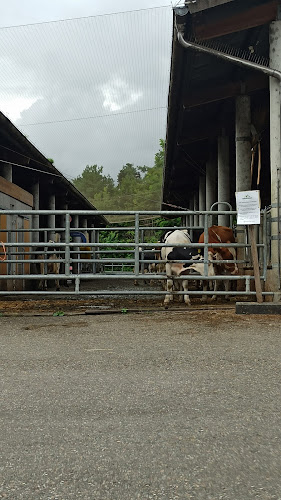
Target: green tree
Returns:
[137, 188]
[92, 182]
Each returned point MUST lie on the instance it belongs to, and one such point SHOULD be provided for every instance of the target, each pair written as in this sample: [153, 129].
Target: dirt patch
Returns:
[54, 325]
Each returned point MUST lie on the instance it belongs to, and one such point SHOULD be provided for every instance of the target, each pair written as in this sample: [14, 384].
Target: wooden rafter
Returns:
[206, 25]
[226, 90]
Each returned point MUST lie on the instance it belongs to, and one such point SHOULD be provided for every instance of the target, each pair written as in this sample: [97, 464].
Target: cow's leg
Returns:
[145, 271]
[226, 288]
[185, 289]
[168, 297]
[205, 288]
[214, 297]
[57, 281]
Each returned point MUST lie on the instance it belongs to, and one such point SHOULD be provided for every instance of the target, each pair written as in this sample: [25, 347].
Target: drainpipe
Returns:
[227, 57]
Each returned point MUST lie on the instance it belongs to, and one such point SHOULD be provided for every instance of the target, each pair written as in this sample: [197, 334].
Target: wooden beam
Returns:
[222, 91]
[199, 133]
[209, 24]
[16, 192]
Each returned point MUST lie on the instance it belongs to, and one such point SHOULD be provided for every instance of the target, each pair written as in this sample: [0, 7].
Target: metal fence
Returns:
[86, 254]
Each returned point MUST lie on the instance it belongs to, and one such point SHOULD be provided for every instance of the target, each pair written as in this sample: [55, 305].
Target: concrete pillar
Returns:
[202, 198]
[52, 217]
[223, 178]
[86, 254]
[7, 171]
[243, 143]
[190, 206]
[75, 219]
[84, 224]
[184, 221]
[243, 160]
[196, 207]
[35, 218]
[211, 173]
[275, 155]
[63, 221]
[76, 239]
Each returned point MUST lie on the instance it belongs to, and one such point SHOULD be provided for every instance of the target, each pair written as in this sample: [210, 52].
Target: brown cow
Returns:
[222, 234]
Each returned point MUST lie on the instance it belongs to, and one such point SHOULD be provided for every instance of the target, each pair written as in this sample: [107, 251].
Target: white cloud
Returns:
[118, 95]
[68, 75]
[13, 106]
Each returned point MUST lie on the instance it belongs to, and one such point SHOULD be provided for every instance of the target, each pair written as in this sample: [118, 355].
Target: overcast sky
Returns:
[91, 90]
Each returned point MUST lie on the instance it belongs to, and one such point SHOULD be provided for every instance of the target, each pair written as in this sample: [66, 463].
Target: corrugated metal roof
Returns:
[198, 5]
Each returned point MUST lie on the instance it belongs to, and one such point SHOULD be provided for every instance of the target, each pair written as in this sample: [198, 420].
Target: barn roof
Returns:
[203, 88]
[18, 150]
[199, 5]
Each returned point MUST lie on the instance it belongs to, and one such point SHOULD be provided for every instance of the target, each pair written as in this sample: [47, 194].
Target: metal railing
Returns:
[27, 247]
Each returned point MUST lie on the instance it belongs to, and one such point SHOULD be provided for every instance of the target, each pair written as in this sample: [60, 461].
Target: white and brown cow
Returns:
[222, 234]
[174, 268]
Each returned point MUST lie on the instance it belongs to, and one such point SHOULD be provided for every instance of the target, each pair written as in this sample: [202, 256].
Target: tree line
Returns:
[137, 188]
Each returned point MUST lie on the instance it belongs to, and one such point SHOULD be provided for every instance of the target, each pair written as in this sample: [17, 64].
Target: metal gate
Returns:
[115, 253]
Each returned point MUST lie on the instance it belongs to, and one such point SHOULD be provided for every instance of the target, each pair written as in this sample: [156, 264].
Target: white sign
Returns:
[248, 207]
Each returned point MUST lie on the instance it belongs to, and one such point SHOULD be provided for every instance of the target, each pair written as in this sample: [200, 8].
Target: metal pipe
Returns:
[227, 57]
[278, 227]
[124, 276]
[206, 239]
[137, 223]
[140, 292]
[161, 213]
[67, 245]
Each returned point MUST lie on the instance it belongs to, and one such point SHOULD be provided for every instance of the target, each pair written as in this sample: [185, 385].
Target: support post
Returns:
[76, 239]
[255, 260]
[35, 218]
[196, 207]
[190, 206]
[275, 154]
[211, 171]
[243, 160]
[202, 198]
[223, 177]
[52, 217]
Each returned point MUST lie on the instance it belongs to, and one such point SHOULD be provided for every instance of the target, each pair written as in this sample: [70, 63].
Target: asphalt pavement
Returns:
[166, 405]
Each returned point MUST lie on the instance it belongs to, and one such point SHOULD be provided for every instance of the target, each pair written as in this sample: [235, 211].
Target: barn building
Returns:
[28, 180]
[223, 128]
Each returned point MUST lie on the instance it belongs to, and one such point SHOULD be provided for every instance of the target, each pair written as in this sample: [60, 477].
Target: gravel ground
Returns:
[163, 405]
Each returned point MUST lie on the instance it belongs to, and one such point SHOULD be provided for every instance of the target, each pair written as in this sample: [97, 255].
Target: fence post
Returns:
[137, 225]
[206, 241]
[93, 249]
[67, 247]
